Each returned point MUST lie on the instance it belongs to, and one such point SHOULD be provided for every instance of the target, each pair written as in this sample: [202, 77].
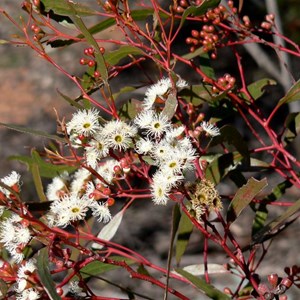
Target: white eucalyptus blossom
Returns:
[210, 129]
[84, 122]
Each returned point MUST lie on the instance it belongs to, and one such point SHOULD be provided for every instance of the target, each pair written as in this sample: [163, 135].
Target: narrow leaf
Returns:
[222, 165]
[38, 182]
[71, 101]
[142, 270]
[123, 90]
[277, 224]
[137, 15]
[61, 7]
[199, 270]
[109, 230]
[114, 57]
[292, 125]
[257, 88]
[46, 169]
[292, 95]
[202, 285]
[3, 286]
[44, 274]
[260, 219]
[130, 109]
[170, 105]
[34, 132]
[184, 232]
[243, 197]
[232, 136]
[96, 267]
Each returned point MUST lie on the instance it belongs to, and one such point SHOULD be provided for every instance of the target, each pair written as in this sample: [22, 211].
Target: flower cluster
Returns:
[13, 182]
[14, 235]
[74, 195]
[25, 279]
[151, 135]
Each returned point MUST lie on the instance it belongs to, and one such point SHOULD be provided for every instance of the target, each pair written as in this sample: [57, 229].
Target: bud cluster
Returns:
[227, 82]
[90, 59]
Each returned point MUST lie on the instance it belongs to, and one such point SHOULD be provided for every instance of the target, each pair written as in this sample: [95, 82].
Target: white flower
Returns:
[106, 170]
[81, 177]
[154, 124]
[168, 179]
[29, 294]
[119, 140]
[97, 148]
[57, 186]
[210, 129]
[27, 268]
[75, 289]
[11, 180]
[171, 166]
[2, 209]
[160, 89]
[117, 126]
[144, 146]
[161, 151]
[174, 132]
[101, 211]
[84, 122]
[14, 235]
[23, 274]
[69, 208]
[160, 192]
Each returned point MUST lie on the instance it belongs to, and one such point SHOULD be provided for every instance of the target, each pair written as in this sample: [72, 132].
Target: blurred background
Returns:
[28, 96]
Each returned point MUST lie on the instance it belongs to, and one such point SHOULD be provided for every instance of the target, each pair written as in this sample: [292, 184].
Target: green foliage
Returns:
[203, 286]
[44, 274]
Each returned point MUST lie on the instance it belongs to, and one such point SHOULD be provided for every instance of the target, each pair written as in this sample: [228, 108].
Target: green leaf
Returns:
[231, 135]
[123, 90]
[260, 218]
[36, 176]
[243, 197]
[96, 267]
[292, 125]
[205, 64]
[199, 10]
[137, 15]
[170, 105]
[130, 109]
[222, 165]
[44, 274]
[109, 230]
[198, 94]
[278, 191]
[183, 235]
[71, 101]
[62, 7]
[3, 288]
[142, 270]
[277, 225]
[46, 170]
[205, 287]
[257, 163]
[113, 57]
[2, 42]
[34, 132]
[199, 270]
[257, 88]
[292, 95]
